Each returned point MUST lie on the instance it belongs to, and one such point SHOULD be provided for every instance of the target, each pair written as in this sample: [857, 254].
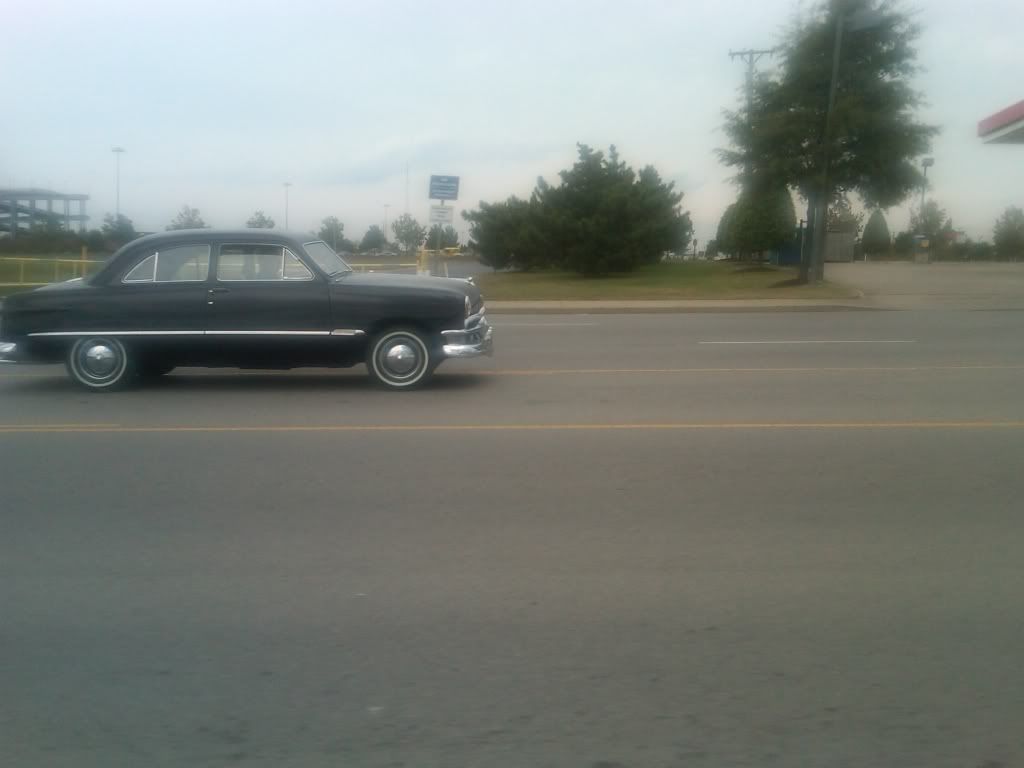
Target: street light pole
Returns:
[118, 151]
[926, 163]
[287, 184]
[386, 206]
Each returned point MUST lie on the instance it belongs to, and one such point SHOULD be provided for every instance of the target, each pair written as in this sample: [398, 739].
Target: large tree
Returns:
[408, 232]
[603, 217]
[187, 218]
[508, 234]
[442, 237]
[870, 144]
[1008, 236]
[876, 239]
[373, 240]
[259, 220]
[332, 231]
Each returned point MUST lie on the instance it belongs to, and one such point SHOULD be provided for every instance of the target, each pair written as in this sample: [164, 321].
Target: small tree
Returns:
[842, 217]
[763, 220]
[187, 218]
[332, 231]
[876, 240]
[723, 237]
[118, 230]
[928, 221]
[1008, 236]
[373, 240]
[903, 244]
[260, 220]
[442, 237]
[408, 232]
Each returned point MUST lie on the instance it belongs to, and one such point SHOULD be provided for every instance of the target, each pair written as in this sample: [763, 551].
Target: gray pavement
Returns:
[624, 541]
[903, 285]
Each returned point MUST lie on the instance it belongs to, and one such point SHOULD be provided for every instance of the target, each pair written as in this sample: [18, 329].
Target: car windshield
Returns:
[331, 263]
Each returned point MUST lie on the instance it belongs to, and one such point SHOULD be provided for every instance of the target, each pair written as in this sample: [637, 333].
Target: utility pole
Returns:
[287, 184]
[927, 163]
[750, 56]
[386, 206]
[118, 151]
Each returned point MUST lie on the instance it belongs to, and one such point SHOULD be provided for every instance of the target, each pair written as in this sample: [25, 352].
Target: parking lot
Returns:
[626, 540]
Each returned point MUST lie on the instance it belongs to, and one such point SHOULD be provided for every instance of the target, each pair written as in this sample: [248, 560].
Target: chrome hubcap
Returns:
[99, 361]
[401, 359]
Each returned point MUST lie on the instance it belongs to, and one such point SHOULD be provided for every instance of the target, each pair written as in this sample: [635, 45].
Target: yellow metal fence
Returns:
[26, 270]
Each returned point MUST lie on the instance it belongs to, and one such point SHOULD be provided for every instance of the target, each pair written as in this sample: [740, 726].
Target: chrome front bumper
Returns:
[474, 340]
[8, 352]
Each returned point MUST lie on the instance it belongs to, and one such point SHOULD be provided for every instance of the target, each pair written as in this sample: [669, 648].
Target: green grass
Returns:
[689, 280]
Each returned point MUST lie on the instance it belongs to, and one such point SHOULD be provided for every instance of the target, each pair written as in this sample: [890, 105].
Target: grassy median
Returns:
[688, 280]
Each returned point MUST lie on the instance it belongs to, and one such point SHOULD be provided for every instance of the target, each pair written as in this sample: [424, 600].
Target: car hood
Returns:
[411, 283]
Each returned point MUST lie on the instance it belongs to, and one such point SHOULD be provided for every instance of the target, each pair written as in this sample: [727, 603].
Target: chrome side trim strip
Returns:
[187, 333]
[267, 333]
[119, 333]
[347, 332]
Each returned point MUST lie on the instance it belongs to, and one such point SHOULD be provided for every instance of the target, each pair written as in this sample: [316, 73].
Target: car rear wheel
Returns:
[100, 364]
[400, 358]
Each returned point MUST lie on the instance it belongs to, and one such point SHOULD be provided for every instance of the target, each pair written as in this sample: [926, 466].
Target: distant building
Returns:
[21, 209]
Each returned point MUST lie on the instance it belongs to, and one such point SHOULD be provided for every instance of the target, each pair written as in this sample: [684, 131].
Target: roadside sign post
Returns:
[442, 188]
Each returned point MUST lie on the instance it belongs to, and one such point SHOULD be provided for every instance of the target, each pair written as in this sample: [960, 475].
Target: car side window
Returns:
[178, 264]
[260, 263]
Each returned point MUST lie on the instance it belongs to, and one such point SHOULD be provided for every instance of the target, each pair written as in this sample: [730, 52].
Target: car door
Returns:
[267, 308]
[161, 294]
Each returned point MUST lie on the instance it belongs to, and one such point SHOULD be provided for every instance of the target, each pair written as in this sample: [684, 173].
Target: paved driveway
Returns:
[902, 285]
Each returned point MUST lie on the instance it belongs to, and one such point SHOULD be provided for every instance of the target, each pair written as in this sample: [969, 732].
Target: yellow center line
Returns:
[570, 427]
[816, 369]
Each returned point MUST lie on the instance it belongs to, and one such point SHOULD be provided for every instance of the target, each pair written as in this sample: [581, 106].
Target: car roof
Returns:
[221, 235]
[274, 236]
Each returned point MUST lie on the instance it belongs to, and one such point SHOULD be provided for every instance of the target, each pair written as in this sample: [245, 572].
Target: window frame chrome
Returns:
[155, 255]
[284, 250]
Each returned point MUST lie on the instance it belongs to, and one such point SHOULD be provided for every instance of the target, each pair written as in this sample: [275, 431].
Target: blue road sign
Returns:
[444, 187]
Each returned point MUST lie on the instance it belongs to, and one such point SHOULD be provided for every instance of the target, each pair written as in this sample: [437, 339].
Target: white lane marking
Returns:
[544, 325]
[819, 341]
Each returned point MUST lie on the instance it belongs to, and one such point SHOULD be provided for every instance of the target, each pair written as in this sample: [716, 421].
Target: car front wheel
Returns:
[400, 358]
[100, 364]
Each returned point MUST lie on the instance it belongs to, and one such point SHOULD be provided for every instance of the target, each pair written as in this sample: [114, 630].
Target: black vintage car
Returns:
[249, 299]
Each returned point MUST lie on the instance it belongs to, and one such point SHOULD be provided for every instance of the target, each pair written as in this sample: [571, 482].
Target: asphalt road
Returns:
[621, 542]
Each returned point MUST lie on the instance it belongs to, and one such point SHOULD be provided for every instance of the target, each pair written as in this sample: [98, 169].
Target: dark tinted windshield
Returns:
[325, 258]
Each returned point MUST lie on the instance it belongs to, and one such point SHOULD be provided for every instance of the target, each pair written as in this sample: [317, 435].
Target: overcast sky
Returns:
[219, 103]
